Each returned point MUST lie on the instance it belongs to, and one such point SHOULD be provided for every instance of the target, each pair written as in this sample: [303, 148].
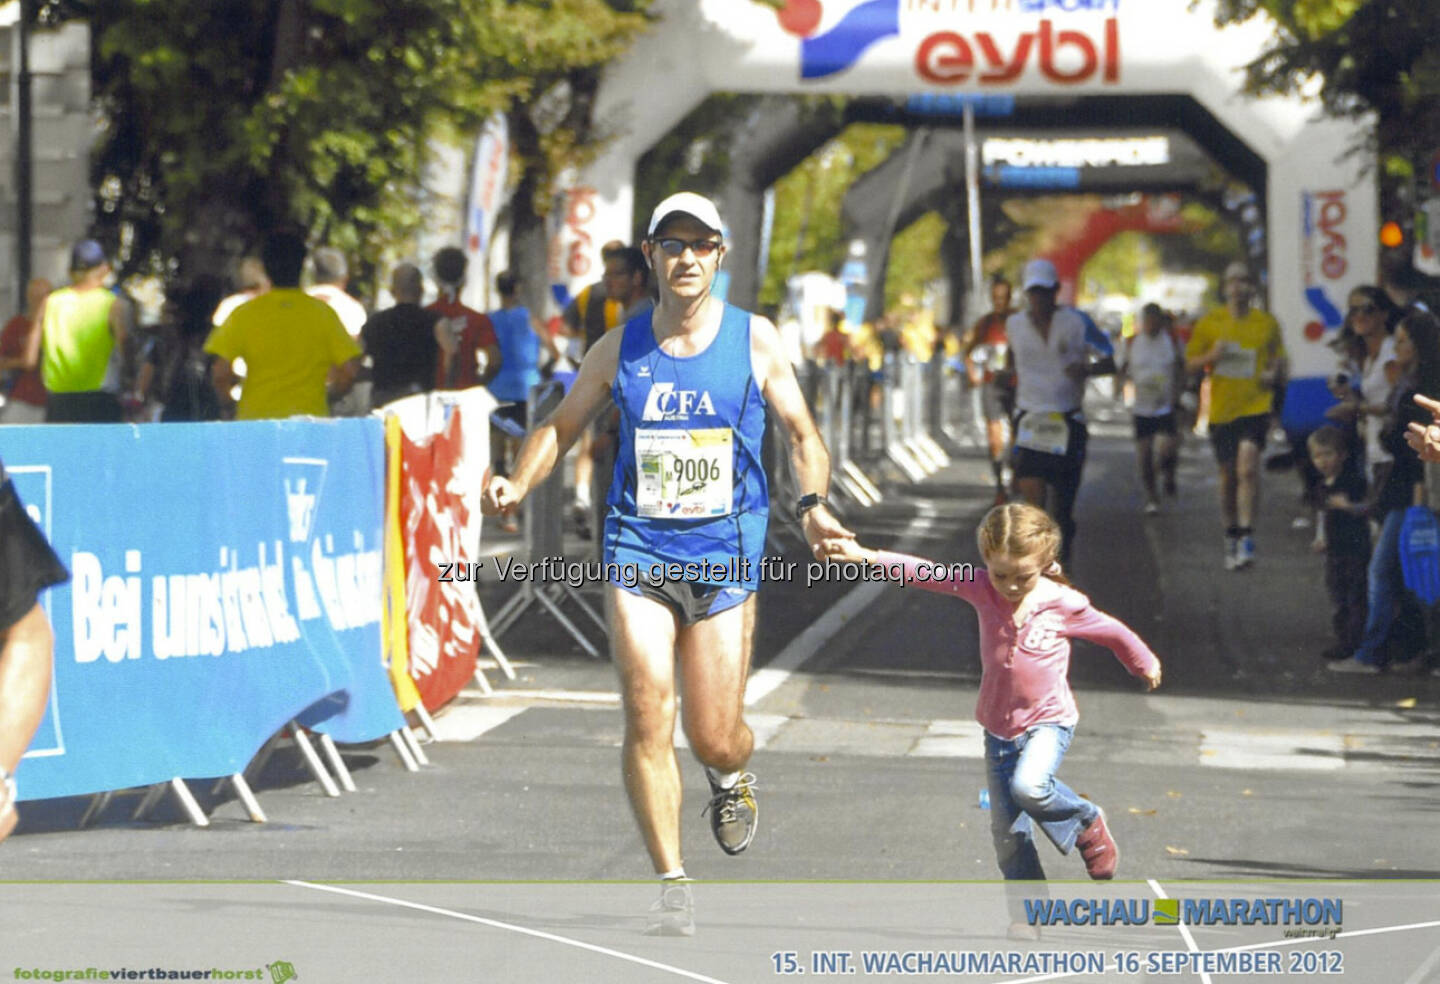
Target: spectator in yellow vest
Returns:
[83, 329]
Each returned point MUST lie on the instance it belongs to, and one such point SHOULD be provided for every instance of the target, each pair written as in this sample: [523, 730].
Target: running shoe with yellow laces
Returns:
[733, 812]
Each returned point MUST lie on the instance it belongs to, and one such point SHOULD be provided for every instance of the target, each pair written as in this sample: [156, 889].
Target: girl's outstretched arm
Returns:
[1093, 625]
[962, 580]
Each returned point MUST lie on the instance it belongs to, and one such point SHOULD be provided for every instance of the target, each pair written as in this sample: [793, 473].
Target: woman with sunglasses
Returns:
[1371, 316]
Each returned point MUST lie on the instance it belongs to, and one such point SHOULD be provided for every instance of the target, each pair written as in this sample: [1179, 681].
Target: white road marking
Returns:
[496, 924]
[1184, 929]
[803, 647]
[602, 697]
[1311, 940]
[466, 722]
[951, 739]
[1281, 750]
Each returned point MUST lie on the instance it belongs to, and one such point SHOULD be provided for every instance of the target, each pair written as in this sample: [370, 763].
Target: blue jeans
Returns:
[1385, 582]
[1024, 792]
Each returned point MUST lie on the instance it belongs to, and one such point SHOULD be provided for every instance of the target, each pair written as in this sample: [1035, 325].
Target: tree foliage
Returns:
[1370, 55]
[225, 117]
[914, 261]
[807, 233]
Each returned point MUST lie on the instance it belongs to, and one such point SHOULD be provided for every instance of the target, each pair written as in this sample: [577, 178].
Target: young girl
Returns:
[1028, 614]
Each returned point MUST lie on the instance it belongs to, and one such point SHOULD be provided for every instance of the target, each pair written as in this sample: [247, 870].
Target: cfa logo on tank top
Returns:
[665, 402]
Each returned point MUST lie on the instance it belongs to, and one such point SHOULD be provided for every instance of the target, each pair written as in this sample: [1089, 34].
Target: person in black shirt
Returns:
[1344, 536]
[27, 567]
[185, 388]
[402, 342]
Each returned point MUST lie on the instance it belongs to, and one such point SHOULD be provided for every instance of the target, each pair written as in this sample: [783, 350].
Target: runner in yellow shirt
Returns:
[1242, 348]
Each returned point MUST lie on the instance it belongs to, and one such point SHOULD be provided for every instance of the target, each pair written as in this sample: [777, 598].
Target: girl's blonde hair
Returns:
[1018, 529]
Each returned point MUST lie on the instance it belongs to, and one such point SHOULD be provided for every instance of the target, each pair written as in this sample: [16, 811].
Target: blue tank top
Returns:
[689, 483]
[519, 354]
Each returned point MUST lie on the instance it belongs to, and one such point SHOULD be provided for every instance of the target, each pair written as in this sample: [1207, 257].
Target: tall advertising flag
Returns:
[487, 187]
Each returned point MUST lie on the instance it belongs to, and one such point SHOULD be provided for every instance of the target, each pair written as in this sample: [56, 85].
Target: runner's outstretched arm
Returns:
[547, 443]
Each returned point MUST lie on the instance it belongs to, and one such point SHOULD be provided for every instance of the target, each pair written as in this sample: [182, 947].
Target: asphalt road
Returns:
[1251, 765]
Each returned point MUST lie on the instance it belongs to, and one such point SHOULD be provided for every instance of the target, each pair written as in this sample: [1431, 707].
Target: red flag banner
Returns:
[438, 527]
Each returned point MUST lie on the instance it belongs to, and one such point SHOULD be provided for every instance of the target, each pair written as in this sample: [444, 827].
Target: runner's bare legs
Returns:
[25, 659]
[714, 664]
[714, 655]
[642, 643]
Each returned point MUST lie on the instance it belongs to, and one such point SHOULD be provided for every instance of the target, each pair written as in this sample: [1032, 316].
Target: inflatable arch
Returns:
[1320, 197]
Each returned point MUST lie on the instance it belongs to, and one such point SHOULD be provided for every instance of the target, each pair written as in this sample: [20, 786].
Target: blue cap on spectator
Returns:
[87, 254]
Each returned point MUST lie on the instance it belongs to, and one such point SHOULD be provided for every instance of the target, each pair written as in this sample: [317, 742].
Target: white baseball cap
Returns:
[697, 206]
[1239, 271]
[1040, 273]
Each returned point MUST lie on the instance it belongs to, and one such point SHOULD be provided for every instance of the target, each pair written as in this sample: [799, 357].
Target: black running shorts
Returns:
[1225, 438]
[27, 564]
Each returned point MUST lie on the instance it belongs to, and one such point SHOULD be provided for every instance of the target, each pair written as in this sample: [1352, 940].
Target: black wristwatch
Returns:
[809, 501]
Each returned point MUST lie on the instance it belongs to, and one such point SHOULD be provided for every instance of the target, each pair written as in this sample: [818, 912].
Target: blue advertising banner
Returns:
[225, 579]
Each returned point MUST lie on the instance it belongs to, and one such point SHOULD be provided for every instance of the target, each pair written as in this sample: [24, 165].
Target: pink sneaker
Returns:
[1098, 849]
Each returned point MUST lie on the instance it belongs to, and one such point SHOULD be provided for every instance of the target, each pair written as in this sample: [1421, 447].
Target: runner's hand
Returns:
[499, 498]
[1424, 438]
[1152, 679]
[819, 525]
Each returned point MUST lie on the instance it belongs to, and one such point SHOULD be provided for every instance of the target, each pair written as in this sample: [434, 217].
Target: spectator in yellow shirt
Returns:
[298, 355]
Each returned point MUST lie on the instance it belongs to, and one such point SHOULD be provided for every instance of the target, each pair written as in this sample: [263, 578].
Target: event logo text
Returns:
[232, 608]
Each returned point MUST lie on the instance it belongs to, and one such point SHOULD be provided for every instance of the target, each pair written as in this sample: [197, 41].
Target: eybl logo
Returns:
[846, 39]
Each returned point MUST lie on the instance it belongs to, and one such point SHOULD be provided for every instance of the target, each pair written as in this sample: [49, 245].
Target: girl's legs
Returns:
[1034, 788]
[1011, 830]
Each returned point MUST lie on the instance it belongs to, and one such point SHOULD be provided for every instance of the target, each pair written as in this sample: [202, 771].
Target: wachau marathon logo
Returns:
[834, 34]
[1300, 917]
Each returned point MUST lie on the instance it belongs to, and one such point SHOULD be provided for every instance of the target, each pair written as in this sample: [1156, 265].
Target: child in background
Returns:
[1344, 536]
[1028, 614]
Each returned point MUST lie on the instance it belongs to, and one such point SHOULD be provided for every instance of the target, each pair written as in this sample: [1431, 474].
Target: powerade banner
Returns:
[225, 578]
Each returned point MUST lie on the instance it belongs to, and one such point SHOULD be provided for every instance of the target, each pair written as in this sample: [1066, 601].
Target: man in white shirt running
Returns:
[1051, 349]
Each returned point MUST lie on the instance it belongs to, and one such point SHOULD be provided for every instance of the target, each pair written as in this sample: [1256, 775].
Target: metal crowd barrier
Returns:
[544, 526]
[918, 402]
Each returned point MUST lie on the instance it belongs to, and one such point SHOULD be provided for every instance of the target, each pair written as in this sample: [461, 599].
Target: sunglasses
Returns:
[700, 247]
[1364, 309]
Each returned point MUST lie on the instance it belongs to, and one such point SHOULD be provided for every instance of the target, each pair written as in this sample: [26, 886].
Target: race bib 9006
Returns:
[684, 474]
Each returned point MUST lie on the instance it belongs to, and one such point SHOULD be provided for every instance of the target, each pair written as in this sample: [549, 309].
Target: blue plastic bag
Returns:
[1420, 553]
